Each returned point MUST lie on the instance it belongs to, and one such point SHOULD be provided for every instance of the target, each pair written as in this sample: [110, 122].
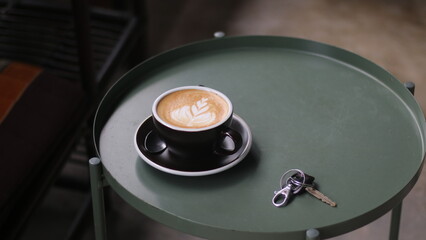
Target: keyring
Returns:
[284, 183]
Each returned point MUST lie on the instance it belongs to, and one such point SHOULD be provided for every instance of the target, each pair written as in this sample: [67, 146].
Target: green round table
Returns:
[311, 106]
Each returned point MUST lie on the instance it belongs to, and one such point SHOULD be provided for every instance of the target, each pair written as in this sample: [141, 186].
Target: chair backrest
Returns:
[75, 51]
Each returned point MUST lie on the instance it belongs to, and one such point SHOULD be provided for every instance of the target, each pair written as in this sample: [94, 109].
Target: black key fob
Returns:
[297, 179]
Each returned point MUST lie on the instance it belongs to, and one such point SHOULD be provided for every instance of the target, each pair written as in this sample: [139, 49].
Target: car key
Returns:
[314, 192]
[309, 186]
[296, 184]
[297, 180]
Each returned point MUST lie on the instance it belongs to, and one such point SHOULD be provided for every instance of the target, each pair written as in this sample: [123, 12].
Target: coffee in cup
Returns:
[194, 120]
[193, 108]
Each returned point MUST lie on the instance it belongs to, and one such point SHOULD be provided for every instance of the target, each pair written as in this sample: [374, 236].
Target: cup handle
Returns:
[154, 143]
[229, 142]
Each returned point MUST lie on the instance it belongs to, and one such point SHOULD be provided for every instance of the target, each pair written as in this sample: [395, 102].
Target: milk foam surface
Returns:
[192, 108]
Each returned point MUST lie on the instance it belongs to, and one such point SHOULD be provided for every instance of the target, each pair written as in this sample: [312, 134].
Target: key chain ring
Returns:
[283, 182]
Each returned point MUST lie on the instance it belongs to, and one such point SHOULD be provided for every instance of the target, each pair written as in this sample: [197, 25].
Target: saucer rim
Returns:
[243, 154]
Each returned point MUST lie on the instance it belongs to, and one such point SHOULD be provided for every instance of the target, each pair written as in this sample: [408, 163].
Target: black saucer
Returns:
[210, 163]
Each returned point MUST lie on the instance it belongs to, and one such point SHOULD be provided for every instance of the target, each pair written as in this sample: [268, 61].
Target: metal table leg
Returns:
[96, 183]
[312, 234]
[396, 211]
[395, 221]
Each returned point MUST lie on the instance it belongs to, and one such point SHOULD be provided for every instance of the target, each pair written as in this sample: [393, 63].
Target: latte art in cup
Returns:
[192, 108]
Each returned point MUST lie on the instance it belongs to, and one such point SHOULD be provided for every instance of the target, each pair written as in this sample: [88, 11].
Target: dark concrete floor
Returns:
[390, 33]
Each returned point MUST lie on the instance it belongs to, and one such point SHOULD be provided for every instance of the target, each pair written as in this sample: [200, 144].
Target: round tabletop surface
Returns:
[310, 106]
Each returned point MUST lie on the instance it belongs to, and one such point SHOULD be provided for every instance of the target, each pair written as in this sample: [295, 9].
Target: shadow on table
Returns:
[238, 173]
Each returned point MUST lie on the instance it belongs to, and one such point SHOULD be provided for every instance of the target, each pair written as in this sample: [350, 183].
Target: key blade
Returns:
[314, 192]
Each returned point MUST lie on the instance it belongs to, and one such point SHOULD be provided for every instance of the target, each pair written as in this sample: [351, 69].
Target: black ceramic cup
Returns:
[189, 141]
